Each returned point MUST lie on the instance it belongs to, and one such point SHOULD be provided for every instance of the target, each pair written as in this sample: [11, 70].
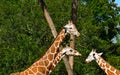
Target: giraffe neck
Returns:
[57, 59]
[43, 65]
[105, 66]
[54, 49]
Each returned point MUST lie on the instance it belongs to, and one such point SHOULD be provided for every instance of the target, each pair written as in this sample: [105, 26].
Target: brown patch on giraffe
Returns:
[112, 68]
[46, 62]
[99, 58]
[41, 63]
[26, 72]
[101, 64]
[62, 32]
[47, 73]
[117, 72]
[58, 58]
[56, 44]
[107, 65]
[50, 57]
[36, 63]
[52, 67]
[30, 72]
[110, 73]
[34, 69]
[62, 36]
[55, 62]
[38, 74]
[98, 61]
[103, 61]
[41, 69]
[52, 49]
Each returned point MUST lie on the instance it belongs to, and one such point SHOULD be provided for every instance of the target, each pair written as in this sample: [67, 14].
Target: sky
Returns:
[118, 35]
[118, 2]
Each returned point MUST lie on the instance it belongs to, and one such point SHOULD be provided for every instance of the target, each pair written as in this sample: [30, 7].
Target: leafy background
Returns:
[25, 35]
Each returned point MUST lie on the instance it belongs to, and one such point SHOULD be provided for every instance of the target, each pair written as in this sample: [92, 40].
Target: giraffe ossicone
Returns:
[42, 66]
[105, 66]
[65, 51]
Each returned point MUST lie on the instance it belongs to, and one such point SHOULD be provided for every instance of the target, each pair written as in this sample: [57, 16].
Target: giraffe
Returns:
[42, 66]
[61, 54]
[105, 66]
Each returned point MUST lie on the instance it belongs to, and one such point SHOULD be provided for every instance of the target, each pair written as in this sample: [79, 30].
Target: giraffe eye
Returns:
[70, 27]
[70, 50]
[93, 54]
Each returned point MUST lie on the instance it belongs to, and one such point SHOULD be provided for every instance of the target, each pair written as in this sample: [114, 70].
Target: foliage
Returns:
[25, 35]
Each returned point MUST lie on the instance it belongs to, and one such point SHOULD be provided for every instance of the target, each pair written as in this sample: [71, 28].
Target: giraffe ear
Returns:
[67, 45]
[69, 21]
[100, 53]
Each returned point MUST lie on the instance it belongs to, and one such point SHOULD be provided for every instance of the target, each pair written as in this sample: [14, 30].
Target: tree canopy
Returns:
[25, 34]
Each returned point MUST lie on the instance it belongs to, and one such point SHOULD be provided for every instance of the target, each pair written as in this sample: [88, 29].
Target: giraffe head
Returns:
[70, 51]
[71, 29]
[92, 56]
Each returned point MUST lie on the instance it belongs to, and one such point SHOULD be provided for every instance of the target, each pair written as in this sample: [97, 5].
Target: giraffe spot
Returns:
[103, 61]
[117, 72]
[110, 73]
[98, 61]
[46, 62]
[26, 73]
[56, 44]
[41, 69]
[41, 63]
[47, 73]
[55, 62]
[62, 32]
[101, 64]
[52, 49]
[34, 69]
[30, 72]
[37, 64]
[52, 67]
[112, 69]
[62, 36]
[107, 65]
[50, 57]
[38, 74]
[58, 58]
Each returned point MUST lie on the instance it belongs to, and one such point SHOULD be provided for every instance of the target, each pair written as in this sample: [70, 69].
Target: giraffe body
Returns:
[61, 54]
[42, 66]
[105, 66]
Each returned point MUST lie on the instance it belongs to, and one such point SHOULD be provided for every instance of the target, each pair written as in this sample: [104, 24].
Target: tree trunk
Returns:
[54, 32]
[72, 37]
